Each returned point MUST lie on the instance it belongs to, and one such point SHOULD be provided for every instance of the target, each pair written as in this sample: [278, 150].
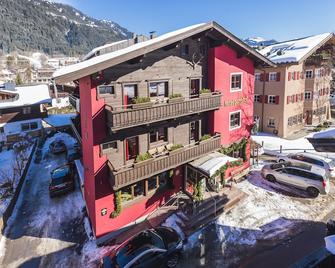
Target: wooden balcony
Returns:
[146, 169]
[124, 118]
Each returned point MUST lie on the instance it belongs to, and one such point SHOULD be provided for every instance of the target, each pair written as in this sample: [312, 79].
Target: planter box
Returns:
[176, 151]
[205, 95]
[176, 100]
[142, 105]
[142, 163]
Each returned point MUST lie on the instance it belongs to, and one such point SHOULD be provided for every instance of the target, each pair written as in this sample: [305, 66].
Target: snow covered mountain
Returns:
[257, 42]
[53, 28]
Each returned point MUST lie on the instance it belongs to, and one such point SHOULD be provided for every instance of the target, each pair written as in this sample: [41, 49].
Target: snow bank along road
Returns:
[44, 232]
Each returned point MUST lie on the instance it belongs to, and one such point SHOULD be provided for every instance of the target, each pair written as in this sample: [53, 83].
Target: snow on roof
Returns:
[93, 51]
[327, 134]
[59, 120]
[108, 56]
[293, 50]
[28, 95]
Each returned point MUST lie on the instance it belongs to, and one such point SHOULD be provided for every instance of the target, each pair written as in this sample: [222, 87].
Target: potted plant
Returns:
[141, 102]
[175, 148]
[205, 93]
[175, 98]
[142, 159]
[205, 137]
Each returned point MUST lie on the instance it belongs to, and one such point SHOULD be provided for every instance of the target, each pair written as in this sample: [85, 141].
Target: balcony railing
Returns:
[75, 102]
[146, 169]
[125, 118]
[76, 131]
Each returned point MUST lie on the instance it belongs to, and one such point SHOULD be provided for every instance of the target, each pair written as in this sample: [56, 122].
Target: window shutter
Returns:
[298, 75]
[267, 77]
[294, 75]
[296, 97]
[277, 100]
[302, 96]
[266, 99]
[278, 76]
[289, 76]
[288, 99]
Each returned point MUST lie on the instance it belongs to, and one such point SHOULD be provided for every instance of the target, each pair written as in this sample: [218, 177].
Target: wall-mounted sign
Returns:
[103, 211]
[236, 101]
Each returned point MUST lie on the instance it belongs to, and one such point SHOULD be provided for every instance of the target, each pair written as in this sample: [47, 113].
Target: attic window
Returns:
[109, 89]
[184, 50]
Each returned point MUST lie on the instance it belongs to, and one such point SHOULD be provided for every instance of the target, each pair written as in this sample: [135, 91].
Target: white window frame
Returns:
[26, 110]
[311, 71]
[310, 92]
[274, 99]
[234, 112]
[257, 76]
[317, 72]
[257, 95]
[236, 89]
[275, 76]
[271, 125]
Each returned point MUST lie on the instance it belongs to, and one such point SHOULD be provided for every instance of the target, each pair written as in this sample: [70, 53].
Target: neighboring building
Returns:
[117, 130]
[21, 110]
[6, 76]
[296, 92]
[42, 75]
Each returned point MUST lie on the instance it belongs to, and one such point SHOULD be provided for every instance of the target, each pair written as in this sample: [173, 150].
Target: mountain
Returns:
[27, 25]
[257, 42]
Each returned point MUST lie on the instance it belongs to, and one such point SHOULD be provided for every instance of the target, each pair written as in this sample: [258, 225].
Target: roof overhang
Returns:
[102, 62]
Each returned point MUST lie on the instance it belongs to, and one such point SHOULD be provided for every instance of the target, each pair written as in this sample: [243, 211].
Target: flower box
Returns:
[176, 100]
[142, 105]
[142, 163]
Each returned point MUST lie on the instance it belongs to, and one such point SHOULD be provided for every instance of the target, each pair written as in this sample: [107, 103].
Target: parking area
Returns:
[45, 232]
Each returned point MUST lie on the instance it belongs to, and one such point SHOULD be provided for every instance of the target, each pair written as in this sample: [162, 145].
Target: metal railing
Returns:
[147, 169]
[149, 113]
[75, 102]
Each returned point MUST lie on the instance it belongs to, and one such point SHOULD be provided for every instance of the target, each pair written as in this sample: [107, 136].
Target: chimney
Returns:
[152, 34]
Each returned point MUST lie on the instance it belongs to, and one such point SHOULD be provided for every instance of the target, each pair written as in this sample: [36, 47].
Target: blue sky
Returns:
[281, 20]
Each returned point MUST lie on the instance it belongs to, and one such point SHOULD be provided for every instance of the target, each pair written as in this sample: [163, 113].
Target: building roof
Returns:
[295, 50]
[99, 63]
[97, 49]
[27, 95]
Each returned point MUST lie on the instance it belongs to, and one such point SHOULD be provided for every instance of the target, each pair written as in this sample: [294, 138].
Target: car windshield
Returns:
[59, 175]
[331, 163]
[140, 243]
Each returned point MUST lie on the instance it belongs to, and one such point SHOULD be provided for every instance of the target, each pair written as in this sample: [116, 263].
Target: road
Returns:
[44, 232]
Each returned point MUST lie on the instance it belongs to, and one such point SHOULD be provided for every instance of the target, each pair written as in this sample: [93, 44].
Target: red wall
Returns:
[222, 62]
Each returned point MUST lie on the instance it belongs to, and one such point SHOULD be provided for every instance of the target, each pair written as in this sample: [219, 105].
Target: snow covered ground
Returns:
[58, 120]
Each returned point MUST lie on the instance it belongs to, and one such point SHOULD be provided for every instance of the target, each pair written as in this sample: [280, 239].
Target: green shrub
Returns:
[118, 200]
[138, 100]
[205, 137]
[143, 157]
[205, 90]
[176, 95]
[175, 147]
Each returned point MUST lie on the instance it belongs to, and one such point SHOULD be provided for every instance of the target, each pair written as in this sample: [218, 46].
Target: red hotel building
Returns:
[148, 110]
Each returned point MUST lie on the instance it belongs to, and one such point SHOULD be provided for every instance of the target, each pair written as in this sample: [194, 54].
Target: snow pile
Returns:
[175, 222]
[294, 50]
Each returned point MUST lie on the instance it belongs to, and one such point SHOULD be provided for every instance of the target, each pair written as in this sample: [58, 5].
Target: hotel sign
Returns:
[236, 101]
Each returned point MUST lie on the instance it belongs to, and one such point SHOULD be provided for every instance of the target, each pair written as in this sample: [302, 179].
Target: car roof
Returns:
[315, 156]
[308, 167]
[61, 169]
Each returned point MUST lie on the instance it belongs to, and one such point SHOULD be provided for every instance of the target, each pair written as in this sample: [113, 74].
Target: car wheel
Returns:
[173, 260]
[270, 178]
[312, 191]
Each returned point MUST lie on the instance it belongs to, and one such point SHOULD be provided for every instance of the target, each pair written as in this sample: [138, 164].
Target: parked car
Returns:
[301, 176]
[313, 159]
[57, 147]
[149, 248]
[62, 180]
[73, 155]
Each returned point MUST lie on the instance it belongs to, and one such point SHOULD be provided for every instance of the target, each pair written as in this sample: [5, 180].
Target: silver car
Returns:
[301, 176]
[318, 161]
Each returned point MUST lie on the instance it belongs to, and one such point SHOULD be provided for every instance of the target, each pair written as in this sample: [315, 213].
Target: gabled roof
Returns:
[99, 63]
[27, 95]
[295, 51]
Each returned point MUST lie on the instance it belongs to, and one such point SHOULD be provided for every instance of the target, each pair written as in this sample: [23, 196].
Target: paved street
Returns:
[44, 232]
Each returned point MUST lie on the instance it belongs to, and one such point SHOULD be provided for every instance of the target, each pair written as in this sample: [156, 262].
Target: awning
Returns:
[212, 162]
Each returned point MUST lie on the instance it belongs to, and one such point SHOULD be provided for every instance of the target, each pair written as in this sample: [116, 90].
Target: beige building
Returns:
[296, 92]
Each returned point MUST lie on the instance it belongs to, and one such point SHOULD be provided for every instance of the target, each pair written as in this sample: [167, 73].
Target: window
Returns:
[184, 50]
[318, 72]
[257, 98]
[290, 121]
[132, 191]
[309, 74]
[272, 99]
[235, 120]
[157, 182]
[109, 145]
[292, 75]
[236, 82]
[292, 98]
[202, 50]
[29, 126]
[26, 110]
[194, 131]
[271, 122]
[257, 77]
[158, 89]
[2, 130]
[159, 135]
[308, 95]
[109, 89]
[272, 76]
[131, 148]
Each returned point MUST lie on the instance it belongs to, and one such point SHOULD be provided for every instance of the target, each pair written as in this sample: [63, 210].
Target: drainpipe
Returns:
[263, 100]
